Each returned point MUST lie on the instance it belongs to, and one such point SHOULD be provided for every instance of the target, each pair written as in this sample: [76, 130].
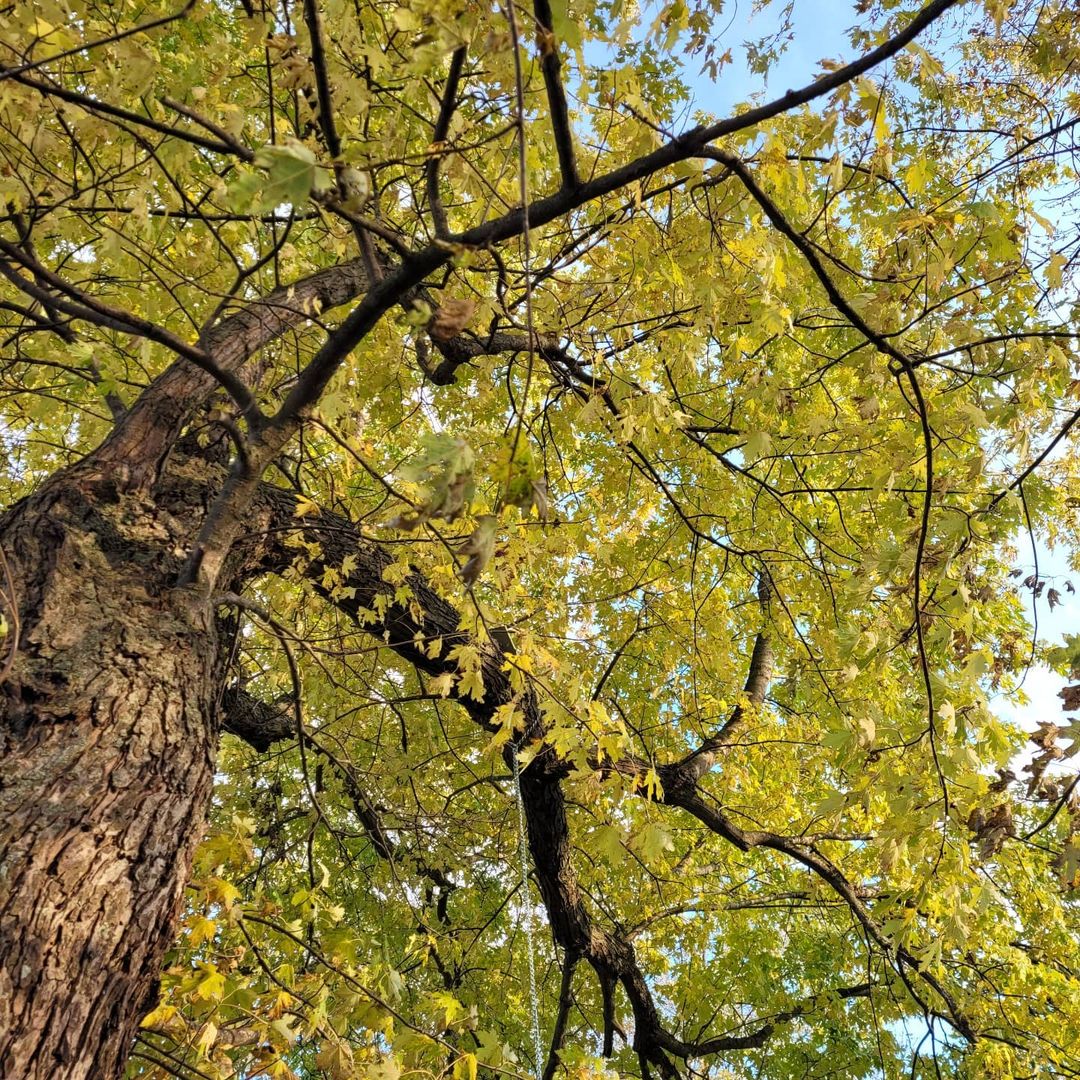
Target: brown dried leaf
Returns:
[451, 318]
[991, 829]
[1045, 733]
[1005, 778]
[479, 547]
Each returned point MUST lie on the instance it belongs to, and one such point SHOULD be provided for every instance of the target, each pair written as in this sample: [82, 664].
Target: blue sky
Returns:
[820, 31]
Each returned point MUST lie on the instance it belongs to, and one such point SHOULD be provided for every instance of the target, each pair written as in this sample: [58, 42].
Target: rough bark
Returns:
[139, 445]
[106, 766]
[259, 723]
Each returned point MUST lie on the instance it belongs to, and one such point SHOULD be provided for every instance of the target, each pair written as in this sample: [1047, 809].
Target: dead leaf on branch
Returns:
[991, 829]
[479, 547]
[450, 318]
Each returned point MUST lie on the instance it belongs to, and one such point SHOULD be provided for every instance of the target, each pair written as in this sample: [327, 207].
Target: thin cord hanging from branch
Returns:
[523, 844]
[523, 855]
[526, 240]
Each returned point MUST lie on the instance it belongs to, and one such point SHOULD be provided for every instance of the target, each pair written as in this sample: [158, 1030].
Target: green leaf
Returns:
[292, 174]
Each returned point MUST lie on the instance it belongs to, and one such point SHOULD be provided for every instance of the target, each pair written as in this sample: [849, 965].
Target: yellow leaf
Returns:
[881, 125]
[442, 684]
[1054, 269]
[201, 929]
[211, 988]
[336, 1058]
[651, 783]
[159, 1018]
[471, 684]
[836, 172]
[465, 1067]
[917, 175]
[207, 1038]
[223, 891]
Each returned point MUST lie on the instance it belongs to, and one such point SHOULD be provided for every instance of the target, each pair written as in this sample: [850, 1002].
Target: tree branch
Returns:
[322, 78]
[442, 129]
[80, 305]
[550, 63]
[414, 269]
[682, 793]
[407, 630]
[115, 112]
[154, 420]
[558, 1031]
[257, 722]
[760, 672]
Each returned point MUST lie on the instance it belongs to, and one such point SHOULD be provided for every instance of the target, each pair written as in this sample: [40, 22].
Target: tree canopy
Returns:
[688, 466]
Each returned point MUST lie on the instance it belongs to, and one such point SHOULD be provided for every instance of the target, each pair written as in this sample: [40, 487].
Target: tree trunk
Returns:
[107, 746]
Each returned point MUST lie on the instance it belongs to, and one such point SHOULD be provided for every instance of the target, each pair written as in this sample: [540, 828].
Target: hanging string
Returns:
[526, 240]
[523, 187]
[523, 855]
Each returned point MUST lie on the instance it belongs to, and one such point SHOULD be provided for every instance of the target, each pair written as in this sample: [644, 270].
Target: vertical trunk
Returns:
[106, 766]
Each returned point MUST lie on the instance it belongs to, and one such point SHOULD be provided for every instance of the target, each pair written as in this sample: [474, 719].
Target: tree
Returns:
[405, 391]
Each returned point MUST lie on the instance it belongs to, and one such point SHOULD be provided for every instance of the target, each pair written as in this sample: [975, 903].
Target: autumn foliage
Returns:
[505, 573]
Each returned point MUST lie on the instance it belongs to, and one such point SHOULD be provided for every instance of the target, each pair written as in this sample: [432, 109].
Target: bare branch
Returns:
[550, 63]
[313, 21]
[442, 129]
[83, 306]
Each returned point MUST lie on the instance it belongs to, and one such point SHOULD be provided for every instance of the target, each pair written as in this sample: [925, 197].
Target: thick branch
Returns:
[141, 442]
[156, 417]
[556, 94]
[258, 723]
[80, 305]
[558, 1031]
[407, 630]
[465, 347]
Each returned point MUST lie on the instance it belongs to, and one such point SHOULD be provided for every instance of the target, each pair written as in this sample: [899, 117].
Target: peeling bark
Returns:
[106, 766]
